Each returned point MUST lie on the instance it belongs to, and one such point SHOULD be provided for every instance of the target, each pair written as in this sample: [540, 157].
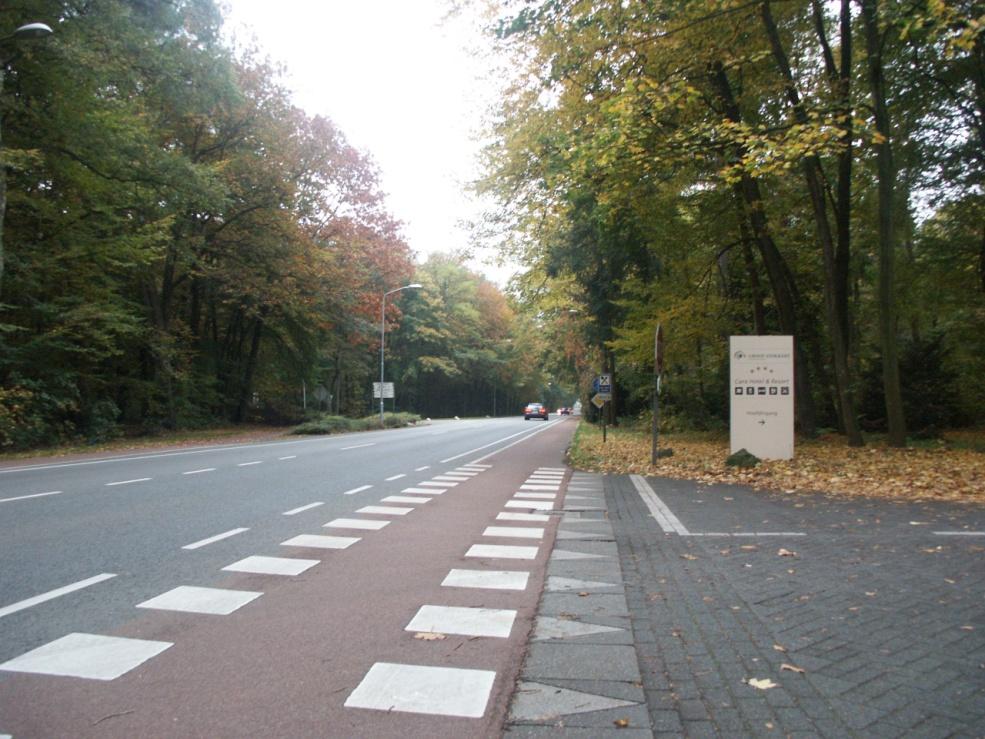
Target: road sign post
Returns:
[658, 368]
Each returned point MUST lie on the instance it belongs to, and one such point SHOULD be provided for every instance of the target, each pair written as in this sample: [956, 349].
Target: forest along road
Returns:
[373, 584]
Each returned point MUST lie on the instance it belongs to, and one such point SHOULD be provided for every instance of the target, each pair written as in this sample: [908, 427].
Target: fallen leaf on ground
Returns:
[582, 594]
[785, 553]
[949, 581]
[688, 556]
[621, 723]
[792, 668]
[778, 648]
[919, 523]
[429, 636]
[763, 683]
[967, 628]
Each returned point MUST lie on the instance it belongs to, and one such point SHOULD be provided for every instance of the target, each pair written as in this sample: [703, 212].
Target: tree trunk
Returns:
[247, 388]
[886, 181]
[812, 175]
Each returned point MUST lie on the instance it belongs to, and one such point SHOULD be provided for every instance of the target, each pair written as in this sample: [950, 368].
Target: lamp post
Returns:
[26, 32]
[412, 286]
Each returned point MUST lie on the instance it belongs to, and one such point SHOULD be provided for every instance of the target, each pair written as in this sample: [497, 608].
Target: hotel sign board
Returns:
[762, 410]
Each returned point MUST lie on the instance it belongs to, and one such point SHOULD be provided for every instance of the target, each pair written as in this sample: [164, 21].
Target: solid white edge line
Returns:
[196, 472]
[665, 517]
[308, 507]
[52, 594]
[127, 482]
[213, 539]
[959, 533]
[550, 424]
[357, 490]
[33, 495]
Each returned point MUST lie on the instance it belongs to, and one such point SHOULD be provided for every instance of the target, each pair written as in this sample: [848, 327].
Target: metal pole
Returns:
[382, 339]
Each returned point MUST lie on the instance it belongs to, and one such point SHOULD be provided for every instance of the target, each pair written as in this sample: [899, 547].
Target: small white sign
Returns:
[387, 389]
[761, 388]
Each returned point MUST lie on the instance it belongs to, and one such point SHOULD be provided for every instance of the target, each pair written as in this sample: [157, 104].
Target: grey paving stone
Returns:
[580, 661]
[592, 606]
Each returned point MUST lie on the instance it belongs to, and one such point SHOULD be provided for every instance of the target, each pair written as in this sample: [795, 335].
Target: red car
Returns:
[535, 410]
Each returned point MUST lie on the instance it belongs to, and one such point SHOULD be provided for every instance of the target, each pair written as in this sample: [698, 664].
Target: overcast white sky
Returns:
[401, 85]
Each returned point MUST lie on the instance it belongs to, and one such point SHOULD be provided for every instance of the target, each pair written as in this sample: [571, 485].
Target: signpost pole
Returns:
[658, 368]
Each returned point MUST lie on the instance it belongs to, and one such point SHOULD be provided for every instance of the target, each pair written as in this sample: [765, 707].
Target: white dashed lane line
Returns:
[295, 511]
[293, 456]
[357, 446]
[198, 472]
[33, 495]
[52, 594]
[357, 490]
[213, 539]
[395, 477]
[127, 482]
[959, 533]
[249, 464]
[421, 469]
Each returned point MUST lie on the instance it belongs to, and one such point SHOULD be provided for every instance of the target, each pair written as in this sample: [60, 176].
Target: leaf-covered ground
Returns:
[952, 469]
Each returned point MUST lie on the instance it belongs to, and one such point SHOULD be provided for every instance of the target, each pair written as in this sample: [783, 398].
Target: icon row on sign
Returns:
[763, 391]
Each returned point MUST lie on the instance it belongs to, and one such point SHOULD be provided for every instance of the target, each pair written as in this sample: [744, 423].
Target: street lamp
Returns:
[26, 32]
[412, 286]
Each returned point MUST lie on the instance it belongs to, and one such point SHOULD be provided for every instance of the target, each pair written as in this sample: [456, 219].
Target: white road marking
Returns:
[293, 456]
[959, 533]
[479, 467]
[385, 510]
[395, 477]
[405, 499]
[189, 599]
[33, 495]
[437, 484]
[499, 551]
[421, 469]
[537, 496]
[745, 533]
[295, 511]
[664, 516]
[127, 482]
[463, 471]
[271, 565]
[198, 472]
[552, 469]
[321, 542]
[441, 691]
[356, 523]
[249, 464]
[56, 593]
[424, 491]
[88, 656]
[357, 490]
[358, 446]
[492, 622]
[528, 486]
[531, 505]
[487, 579]
[494, 443]
[523, 517]
[213, 539]
[451, 478]
[518, 532]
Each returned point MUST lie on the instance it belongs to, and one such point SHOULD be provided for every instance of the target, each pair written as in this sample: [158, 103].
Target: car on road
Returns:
[535, 410]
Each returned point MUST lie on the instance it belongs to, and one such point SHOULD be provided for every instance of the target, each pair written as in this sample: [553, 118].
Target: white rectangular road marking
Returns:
[438, 691]
[535, 496]
[534, 486]
[439, 484]
[213, 539]
[421, 469]
[395, 477]
[959, 533]
[33, 495]
[271, 565]
[281, 459]
[249, 464]
[127, 482]
[357, 446]
[518, 532]
[357, 490]
[295, 511]
[405, 499]
[52, 594]
[536, 505]
[385, 510]
[199, 472]
[461, 471]
[487, 579]
[552, 469]
[356, 523]
[523, 517]
[499, 551]
[665, 517]
[492, 622]
[189, 599]
[321, 542]
[424, 491]
[450, 478]
[88, 656]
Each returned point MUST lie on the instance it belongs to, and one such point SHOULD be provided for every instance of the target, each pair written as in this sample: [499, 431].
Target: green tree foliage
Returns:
[734, 168]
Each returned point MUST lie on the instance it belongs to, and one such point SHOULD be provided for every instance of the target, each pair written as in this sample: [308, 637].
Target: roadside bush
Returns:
[341, 424]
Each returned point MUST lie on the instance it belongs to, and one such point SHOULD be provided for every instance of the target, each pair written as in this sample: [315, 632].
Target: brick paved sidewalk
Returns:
[881, 606]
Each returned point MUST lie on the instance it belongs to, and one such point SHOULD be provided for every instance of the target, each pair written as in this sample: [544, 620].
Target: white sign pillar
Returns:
[762, 409]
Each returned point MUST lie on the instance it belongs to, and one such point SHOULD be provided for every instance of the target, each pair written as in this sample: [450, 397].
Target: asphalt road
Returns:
[117, 532]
